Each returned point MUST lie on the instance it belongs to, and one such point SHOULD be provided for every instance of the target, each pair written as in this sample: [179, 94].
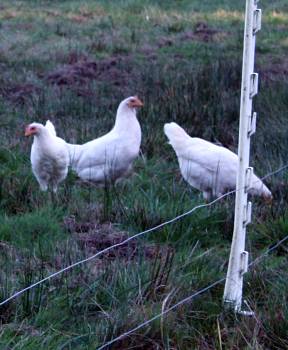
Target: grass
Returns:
[183, 59]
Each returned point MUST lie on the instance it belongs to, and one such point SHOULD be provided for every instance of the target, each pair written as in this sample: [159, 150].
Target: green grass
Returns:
[183, 58]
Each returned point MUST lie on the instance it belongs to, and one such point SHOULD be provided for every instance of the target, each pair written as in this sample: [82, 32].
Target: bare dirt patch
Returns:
[94, 237]
[10, 14]
[202, 32]
[19, 93]
[81, 18]
[274, 71]
[81, 69]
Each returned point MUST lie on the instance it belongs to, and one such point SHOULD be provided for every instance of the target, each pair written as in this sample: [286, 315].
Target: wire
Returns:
[275, 172]
[183, 301]
[255, 261]
[15, 295]
[112, 247]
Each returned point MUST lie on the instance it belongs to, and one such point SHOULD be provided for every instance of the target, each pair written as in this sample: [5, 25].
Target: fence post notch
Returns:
[238, 260]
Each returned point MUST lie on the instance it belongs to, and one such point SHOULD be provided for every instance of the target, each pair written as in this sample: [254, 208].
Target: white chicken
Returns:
[209, 168]
[49, 155]
[110, 157]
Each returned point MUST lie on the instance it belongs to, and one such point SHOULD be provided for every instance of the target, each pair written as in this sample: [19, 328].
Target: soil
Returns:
[202, 32]
[80, 69]
[19, 93]
[273, 71]
[93, 237]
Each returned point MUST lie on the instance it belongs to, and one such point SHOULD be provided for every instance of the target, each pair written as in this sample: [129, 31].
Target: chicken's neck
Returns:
[43, 140]
[127, 123]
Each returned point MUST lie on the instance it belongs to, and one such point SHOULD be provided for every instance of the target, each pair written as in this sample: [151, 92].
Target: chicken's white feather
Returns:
[110, 157]
[49, 155]
[209, 168]
[50, 127]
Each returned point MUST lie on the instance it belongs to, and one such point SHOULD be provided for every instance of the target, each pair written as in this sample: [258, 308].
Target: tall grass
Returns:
[192, 81]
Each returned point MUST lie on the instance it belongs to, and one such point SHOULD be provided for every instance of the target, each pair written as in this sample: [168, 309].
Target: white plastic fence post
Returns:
[238, 261]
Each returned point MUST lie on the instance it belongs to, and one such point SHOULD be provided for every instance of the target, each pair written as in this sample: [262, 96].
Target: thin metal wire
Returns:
[262, 256]
[275, 172]
[183, 301]
[15, 295]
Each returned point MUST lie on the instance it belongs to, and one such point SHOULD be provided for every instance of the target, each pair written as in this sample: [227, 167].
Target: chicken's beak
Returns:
[28, 131]
[136, 103]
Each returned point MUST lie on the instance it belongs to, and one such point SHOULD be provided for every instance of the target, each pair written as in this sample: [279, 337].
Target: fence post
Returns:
[238, 261]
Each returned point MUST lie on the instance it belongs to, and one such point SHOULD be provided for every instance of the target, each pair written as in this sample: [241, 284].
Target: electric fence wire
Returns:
[69, 267]
[189, 298]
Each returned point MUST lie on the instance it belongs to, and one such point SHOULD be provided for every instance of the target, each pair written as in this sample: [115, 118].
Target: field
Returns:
[72, 62]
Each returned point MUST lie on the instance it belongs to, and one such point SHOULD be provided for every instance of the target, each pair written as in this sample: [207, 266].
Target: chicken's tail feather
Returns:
[176, 135]
[50, 127]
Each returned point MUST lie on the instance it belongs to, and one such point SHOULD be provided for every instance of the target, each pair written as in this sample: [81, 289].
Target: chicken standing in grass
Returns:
[210, 168]
[110, 157]
[49, 155]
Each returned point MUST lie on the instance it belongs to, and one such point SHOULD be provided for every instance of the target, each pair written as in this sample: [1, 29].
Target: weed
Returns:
[73, 63]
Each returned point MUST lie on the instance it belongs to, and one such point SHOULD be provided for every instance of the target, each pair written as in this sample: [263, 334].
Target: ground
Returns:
[73, 62]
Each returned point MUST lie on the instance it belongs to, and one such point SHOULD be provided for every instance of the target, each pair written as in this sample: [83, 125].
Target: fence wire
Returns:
[189, 298]
[15, 295]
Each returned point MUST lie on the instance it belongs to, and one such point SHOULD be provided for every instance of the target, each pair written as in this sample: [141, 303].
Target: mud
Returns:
[19, 93]
[274, 71]
[202, 32]
[81, 69]
[94, 237]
